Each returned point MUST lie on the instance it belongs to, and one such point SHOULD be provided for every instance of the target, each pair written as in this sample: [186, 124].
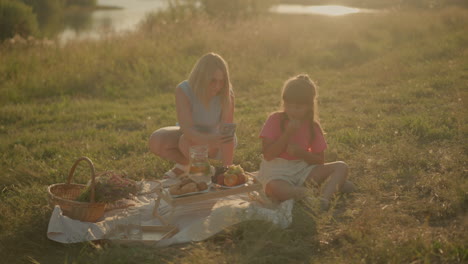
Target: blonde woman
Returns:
[203, 102]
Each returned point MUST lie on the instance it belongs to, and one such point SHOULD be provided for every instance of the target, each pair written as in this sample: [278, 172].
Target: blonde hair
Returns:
[300, 89]
[202, 73]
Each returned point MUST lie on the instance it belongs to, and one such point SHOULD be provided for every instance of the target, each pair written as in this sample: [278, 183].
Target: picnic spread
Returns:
[156, 215]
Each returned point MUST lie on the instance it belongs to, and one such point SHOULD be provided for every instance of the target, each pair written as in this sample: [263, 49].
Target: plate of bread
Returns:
[188, 187]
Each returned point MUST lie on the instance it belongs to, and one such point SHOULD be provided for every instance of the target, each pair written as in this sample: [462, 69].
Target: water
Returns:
[126, 18]
[98, 23]
[200, 172]
[327, 10]
[200, 168]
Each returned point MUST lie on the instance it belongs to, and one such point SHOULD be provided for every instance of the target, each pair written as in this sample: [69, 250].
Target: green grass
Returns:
[392, 100]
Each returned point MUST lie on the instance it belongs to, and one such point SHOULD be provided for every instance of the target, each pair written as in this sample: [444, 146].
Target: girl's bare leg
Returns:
[164, 143]
[337, 172]
[279, 190]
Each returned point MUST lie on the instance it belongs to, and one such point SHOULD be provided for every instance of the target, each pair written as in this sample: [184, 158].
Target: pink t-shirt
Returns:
[272, 130]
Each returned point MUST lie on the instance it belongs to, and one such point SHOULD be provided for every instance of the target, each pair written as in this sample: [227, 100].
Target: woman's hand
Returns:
[219, 139]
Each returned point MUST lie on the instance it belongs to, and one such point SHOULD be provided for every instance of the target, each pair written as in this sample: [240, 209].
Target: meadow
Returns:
[393, 88]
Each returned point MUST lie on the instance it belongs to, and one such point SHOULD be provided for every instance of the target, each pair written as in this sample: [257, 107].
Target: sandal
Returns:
[170, 174]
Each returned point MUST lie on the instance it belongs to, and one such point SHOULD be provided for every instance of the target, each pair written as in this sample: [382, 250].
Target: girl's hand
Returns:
[294, 150]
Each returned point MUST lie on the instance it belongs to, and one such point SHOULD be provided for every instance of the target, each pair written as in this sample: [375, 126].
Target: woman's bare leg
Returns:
[184, 146]
[164, 143]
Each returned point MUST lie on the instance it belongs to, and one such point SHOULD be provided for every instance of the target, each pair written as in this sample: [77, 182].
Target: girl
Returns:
[203, 102]
[293, 148]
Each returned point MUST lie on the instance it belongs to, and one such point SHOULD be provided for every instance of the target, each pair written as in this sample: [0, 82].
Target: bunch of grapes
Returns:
[109, 187]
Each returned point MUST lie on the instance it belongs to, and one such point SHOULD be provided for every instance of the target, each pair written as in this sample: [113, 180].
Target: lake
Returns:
[128, 14]
[124, 18]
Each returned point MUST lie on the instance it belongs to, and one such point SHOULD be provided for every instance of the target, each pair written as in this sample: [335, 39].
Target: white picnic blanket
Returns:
[196, 222]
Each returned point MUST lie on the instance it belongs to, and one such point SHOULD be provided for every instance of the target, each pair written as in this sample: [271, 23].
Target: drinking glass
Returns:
[133, 223]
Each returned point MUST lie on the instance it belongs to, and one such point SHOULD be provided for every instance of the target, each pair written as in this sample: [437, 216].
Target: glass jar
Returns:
[133, 224]
[200, 169]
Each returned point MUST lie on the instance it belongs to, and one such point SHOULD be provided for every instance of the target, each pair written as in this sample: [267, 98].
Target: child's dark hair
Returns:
[301, 89]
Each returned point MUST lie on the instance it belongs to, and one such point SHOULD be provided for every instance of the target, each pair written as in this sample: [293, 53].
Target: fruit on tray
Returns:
[220, 179]
[231, 180]
[234, 176]
[187, 185]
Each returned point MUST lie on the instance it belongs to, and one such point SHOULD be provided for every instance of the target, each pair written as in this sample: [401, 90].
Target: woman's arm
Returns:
[227, 149]
[228, 111]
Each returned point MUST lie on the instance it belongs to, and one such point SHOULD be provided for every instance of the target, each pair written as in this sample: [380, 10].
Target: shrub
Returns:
[16, 18]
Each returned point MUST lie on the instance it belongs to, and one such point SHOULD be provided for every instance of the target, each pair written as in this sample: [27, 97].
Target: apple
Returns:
[220, 179]
[241, 179]
[231, 180]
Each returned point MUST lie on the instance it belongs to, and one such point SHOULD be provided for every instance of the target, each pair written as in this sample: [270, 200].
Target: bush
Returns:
[45, 8]
[16, 18]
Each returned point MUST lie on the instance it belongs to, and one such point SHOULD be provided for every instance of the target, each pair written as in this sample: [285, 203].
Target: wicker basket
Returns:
[65, 194]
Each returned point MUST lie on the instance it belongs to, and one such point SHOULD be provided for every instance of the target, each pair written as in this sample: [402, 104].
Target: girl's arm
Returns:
[184, 116]
[273, 148]
[309, 157]
[227, 149]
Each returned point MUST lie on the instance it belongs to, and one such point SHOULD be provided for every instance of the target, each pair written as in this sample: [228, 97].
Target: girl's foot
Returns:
[348, 187]
[315, 205]
[324, 204]
[261, 198]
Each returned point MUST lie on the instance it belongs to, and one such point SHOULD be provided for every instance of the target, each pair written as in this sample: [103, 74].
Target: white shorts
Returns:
[294, 172]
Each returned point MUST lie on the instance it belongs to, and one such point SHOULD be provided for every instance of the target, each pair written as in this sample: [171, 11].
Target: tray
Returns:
[151, 235]
[213, 193]
[230, 187]
[249, 182]
[190, 193]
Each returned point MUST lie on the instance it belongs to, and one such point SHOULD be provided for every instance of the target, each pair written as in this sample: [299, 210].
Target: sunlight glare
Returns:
[329, 10]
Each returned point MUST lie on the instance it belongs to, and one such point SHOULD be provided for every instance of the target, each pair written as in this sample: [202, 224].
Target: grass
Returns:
[392, 99]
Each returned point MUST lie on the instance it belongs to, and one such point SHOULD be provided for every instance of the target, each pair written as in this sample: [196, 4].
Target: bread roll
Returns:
[201, 186]
[190, 187]
[175, 189]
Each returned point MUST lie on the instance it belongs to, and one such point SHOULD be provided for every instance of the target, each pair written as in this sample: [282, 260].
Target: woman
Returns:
[203, 103]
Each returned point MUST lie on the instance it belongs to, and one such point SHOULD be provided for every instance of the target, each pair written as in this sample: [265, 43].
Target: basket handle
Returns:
[72, 171]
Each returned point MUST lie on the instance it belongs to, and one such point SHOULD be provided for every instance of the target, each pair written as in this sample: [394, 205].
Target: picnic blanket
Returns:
[196, 222]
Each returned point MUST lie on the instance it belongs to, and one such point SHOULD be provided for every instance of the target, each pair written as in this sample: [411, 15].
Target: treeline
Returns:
[382, 3]
[34, 17]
